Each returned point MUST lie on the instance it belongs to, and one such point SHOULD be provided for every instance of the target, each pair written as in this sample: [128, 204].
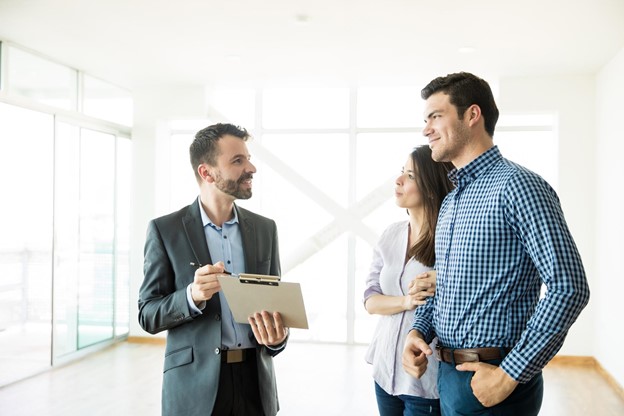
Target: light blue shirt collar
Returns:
[207, 221]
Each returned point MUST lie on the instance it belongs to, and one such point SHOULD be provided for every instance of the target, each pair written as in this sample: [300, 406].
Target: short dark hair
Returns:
[465, 89]
[204, 148]
[434, 184]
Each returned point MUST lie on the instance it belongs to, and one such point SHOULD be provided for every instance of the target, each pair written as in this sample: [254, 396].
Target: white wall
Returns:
[609, 278]
[573, 99]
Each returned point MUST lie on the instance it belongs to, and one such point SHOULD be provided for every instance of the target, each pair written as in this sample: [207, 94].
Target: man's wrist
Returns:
[506, 377]
[279, 346]
[415, 333]
[196, 309]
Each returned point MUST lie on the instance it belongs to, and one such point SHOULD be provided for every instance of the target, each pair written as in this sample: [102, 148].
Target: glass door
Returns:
[91, 244]
[96, 237]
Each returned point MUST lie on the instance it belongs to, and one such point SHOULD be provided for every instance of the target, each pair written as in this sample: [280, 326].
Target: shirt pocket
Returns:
[178, 358]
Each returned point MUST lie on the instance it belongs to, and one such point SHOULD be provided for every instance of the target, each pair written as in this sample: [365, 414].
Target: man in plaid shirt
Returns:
[501, 234]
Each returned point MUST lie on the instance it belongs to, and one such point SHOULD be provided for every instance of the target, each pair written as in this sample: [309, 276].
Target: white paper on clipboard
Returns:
[250, 293]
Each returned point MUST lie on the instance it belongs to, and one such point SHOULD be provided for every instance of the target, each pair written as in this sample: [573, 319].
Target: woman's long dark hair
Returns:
[433, 183]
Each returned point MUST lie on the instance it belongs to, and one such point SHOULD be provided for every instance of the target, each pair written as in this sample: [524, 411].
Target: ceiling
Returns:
[143, 43]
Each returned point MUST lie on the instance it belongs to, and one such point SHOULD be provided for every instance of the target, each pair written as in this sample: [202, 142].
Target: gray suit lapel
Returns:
[248, 233]
[194, 230]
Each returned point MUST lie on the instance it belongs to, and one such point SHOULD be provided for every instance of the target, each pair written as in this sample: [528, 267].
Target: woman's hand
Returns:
[422, 287]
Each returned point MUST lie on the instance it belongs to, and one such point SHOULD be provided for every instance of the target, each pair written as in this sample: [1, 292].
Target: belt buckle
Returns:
[438, 353]
[470, 357]
[234, 356]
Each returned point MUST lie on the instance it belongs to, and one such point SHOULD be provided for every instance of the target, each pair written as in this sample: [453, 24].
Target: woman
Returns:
[400, 279]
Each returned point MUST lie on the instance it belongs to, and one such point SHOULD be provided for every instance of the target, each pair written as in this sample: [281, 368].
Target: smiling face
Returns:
[448, 134]
[233, 172]
[406, 192]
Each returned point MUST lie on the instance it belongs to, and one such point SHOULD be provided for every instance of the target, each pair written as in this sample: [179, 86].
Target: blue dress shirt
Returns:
[501, 233]
[225, 244]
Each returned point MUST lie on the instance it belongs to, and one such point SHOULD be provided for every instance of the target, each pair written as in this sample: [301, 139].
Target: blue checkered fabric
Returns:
[501, 233]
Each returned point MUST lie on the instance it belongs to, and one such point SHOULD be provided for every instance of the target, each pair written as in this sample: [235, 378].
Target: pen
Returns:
[199, 265]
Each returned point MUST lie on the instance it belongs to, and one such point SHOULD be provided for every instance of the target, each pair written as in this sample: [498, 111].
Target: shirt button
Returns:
[239, 345]
[229, 262]
[217, 351]
[217, 317]
[225, 236]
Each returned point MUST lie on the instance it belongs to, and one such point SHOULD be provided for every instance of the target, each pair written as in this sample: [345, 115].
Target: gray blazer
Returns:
[192, 357]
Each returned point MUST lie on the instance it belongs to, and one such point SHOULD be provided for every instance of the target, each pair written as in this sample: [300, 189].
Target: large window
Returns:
[327, 160]
[38, 79]
[64, 246]
[25, 241]
[35, 78]
[105, 101]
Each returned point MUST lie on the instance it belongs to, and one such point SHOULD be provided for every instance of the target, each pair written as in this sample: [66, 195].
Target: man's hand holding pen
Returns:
[205, 283]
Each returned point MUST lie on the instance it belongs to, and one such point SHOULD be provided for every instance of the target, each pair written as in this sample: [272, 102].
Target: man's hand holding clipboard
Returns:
[249, 294]
[268, 328]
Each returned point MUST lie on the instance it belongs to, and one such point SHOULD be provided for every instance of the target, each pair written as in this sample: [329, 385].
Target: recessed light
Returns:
[302, 19]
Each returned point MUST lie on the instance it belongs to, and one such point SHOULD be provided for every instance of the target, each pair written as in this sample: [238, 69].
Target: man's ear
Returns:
[474, 114]
[205, 173]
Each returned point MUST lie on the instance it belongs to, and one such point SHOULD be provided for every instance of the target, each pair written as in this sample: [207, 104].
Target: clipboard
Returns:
[249, 293]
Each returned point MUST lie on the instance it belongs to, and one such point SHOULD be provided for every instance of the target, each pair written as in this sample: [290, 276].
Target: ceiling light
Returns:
[302, 19]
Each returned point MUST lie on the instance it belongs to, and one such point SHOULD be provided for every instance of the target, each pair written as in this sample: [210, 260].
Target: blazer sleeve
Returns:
[162, 302]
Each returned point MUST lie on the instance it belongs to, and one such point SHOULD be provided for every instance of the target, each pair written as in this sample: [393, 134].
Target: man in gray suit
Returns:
[213, 365]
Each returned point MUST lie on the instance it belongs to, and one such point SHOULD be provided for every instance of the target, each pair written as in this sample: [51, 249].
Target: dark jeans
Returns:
[456, 397]
[404, 405]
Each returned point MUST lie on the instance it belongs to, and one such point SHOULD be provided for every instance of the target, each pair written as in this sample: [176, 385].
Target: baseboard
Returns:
[147, 340]
[574, 360]
[591, 362]
[612, 381]
[562, 360]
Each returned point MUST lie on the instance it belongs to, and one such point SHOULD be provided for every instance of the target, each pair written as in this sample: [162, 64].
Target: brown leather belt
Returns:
[235, 356]
[469, 355]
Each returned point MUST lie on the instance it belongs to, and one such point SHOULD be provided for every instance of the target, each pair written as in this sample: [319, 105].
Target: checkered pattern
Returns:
[500, 234]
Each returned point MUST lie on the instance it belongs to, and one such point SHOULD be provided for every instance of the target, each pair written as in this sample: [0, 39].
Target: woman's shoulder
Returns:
[397, 227]
[394, 231]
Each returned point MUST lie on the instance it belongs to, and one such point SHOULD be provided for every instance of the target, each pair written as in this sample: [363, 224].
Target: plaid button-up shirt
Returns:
[500, 235]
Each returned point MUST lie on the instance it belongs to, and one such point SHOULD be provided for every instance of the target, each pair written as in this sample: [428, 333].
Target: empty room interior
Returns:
[100, 101]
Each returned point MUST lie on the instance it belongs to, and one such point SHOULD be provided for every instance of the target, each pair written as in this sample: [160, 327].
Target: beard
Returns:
[233, 187]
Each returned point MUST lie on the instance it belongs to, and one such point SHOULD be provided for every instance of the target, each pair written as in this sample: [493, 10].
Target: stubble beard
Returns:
[453, 146]
[233, 187]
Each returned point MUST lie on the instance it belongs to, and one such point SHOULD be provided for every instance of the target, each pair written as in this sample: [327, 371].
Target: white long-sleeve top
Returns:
[389, 275]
